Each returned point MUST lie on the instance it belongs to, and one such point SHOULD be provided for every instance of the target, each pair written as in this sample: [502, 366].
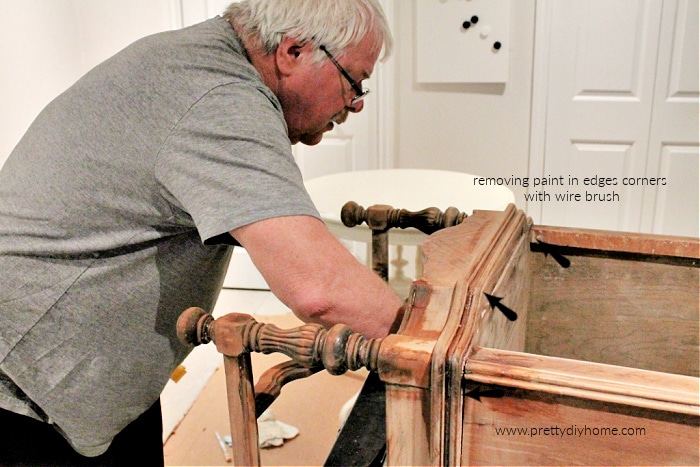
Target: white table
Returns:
[411, 189]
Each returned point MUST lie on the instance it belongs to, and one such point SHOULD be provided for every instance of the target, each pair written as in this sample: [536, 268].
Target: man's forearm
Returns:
[312, 273]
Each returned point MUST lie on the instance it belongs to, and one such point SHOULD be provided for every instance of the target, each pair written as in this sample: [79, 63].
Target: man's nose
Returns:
[356, 107]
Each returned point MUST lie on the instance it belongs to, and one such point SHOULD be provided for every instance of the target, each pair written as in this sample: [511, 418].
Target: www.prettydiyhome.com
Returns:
[572, 430]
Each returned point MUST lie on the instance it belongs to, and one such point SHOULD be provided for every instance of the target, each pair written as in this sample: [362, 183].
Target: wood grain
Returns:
[631, 313]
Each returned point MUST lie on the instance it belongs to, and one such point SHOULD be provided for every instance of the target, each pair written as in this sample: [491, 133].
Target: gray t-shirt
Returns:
[114, 213]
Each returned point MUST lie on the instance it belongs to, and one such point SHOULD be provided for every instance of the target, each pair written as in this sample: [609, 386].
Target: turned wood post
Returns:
[381, 217]
[195, 327]
[311, 346]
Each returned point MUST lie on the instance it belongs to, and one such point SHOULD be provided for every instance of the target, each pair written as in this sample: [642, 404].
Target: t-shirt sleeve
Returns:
[228, 163]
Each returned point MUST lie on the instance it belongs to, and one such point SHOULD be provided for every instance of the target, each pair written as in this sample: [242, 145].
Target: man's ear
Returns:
[290, 54]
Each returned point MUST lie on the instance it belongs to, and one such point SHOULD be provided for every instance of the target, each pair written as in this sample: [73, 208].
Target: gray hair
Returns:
[336, 24]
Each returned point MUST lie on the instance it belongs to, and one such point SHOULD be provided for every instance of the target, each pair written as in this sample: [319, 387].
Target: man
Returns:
[120, 206]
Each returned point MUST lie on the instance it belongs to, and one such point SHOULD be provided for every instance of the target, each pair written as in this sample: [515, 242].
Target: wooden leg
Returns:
[380, 253]
[399, 282]
[241, 408]
[419, 262]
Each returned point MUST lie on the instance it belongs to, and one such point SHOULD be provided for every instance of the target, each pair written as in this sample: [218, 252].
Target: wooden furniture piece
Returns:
[524, 345]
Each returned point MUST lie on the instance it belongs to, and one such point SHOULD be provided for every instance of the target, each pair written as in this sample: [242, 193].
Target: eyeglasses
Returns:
[360, 93]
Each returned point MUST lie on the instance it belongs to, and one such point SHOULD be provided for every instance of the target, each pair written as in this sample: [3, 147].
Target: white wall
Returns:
[485, 129]
[46, 45]
[476, 128]
[38, 44]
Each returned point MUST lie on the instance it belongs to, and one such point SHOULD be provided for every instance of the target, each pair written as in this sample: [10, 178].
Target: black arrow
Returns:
[495, 302]
[477, 393]
[548, 250]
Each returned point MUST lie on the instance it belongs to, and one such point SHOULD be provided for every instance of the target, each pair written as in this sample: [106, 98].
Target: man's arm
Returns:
[312, 273]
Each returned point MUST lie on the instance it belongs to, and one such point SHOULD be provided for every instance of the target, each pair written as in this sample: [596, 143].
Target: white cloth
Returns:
[272, 432]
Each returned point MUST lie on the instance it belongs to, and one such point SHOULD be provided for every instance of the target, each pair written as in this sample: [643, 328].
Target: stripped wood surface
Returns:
[589, 330]
[526, 427]
[595, 381]
[605, 337]
[627, 242]
[632, 313]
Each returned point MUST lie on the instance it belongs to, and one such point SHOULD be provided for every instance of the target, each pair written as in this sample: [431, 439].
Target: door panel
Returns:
[350, 146]
[673, 144]
[602, 61]
[333, 154]
[622, 102]
[676, 207]
[609, 49]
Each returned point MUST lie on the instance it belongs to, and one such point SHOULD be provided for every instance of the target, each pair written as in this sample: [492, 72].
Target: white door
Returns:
[351, 146]
[365, 140]
[354, 145]
[673, 139]
[621, 103]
